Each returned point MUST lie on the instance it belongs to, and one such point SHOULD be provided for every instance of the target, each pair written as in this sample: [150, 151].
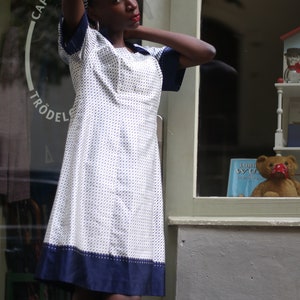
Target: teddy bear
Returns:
[279, 172]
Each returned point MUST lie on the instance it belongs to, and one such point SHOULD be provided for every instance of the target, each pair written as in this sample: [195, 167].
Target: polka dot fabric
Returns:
[105, 231]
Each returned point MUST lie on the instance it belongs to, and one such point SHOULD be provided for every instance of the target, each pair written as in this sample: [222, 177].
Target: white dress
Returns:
[105, 231]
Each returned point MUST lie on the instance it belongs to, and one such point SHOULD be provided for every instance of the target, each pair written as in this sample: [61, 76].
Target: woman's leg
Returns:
[121, 297]
[82, 294]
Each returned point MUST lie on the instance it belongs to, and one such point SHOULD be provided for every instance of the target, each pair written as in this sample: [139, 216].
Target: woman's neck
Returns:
[116, 38]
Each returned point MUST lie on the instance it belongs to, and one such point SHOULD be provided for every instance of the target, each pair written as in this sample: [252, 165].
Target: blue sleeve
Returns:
[75, 43]
[172, 75]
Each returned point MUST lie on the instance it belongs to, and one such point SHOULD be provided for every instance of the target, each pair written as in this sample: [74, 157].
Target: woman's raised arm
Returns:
[193, 51]
[73, 11]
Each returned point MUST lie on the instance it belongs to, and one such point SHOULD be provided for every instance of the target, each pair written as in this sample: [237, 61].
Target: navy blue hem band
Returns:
[103, 273]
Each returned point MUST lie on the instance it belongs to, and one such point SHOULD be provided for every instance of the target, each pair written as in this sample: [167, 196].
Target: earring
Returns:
[97, 25]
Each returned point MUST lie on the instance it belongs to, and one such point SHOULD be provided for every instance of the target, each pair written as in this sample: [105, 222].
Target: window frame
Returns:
[180, 113]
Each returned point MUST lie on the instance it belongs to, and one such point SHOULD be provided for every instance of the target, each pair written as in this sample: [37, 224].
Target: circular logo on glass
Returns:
[49, 84]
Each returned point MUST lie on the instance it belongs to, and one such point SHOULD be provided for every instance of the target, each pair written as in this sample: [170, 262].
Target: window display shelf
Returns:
[290, 89]
[288, 118]
[287, 150]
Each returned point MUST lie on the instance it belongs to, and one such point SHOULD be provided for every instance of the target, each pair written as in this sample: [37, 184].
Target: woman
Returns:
[105, 234]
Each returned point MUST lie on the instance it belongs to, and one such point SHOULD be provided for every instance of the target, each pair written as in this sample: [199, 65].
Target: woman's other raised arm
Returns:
[73, 11]
[192, 51]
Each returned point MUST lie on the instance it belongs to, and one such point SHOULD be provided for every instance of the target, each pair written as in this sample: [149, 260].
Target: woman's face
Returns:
[115, 15]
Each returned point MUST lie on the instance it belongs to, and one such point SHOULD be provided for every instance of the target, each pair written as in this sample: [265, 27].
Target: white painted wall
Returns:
[238, 263]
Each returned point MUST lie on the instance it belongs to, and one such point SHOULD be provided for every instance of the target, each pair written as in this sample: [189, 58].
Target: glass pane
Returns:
[238, 100]
[36, 97]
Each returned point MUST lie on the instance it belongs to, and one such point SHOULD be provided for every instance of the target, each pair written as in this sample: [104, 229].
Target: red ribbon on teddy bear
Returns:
[279, 170]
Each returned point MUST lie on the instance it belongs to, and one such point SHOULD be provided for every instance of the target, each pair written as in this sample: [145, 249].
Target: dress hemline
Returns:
[68, 266]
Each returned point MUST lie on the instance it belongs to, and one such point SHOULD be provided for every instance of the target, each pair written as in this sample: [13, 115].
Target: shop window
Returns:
[238, 100]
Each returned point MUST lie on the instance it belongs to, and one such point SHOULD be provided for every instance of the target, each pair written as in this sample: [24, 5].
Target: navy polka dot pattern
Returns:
[105, 231]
